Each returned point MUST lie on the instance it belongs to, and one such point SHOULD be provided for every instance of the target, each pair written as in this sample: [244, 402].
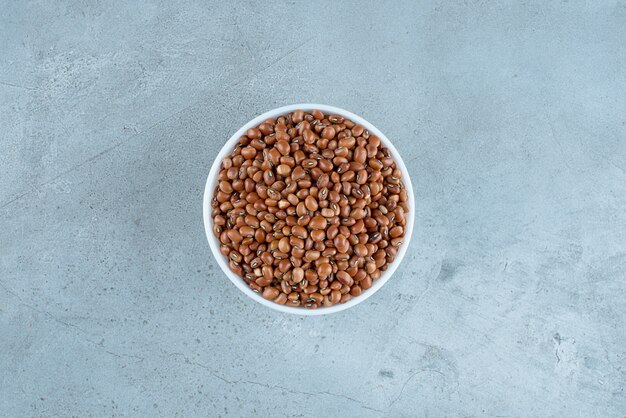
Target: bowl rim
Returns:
[211, 183]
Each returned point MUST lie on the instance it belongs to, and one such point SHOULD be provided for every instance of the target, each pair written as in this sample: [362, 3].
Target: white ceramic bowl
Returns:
[214, 242]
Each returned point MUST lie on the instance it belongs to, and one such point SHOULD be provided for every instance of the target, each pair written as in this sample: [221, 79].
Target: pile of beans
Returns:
[310, 209]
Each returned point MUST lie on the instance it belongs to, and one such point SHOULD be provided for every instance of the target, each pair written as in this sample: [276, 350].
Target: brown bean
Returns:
[311, 203]
[284, 265]
[366, 283]
[309, 163]
[281, 299]
[270, 293]
[246, 231]
[357, 130]
[232, 173]
[318, 235]
[347, 143]
[318, 222]
[323, 181]
[360, 154]
[356, 290]
[282, 147]
[371, 150]
[297, 275]
[296, 242]
[327, 213]
[273, 156]
[328, 132]
[336, 285]
[360, 250]
[266, 128]
[311, 255]
[298, 173]
[341, 243]
[324, 269]
[396, 242]
[226, 187]
[304, 220]
[268, 272]
[299, 231]
[283, 245]
[361, 177]
[332, 232]
[325, 165]
[268, 177]
[344, 278]
[248, 153]
[396, 231]
[283, 170]
[315, 297]
[297, 116]
[317, 114]
[309, 136]
[254, 133]
[342, 258]
[234, 235]
[329, 252]
[263, 281]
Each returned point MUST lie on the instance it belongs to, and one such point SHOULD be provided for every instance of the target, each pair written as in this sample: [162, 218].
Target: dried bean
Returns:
[309, 209]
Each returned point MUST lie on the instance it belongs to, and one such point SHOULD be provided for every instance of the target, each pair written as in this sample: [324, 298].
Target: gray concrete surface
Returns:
[512, 117]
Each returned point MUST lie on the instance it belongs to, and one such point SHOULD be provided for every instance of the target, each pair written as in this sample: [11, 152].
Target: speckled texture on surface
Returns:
[511, 117]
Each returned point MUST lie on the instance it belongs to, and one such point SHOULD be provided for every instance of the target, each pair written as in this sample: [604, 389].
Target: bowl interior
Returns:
[214, 242]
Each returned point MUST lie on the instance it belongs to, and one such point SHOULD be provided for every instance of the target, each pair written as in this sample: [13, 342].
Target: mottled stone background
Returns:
[510, 115]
